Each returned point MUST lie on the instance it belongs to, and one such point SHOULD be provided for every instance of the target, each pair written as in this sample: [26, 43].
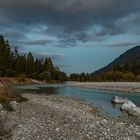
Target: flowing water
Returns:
[99, 98]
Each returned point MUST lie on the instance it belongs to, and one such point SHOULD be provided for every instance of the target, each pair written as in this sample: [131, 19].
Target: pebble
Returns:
[57, 129]
[64, 118]
[14, 104]
[103, 122]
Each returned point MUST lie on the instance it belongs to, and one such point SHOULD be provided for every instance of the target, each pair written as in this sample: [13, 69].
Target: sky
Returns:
[79, 35]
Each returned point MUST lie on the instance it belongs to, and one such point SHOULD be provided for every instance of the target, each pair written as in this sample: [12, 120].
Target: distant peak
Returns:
[129, 57]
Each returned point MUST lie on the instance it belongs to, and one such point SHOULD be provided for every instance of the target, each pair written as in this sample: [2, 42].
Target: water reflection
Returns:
[36, 89]
[48, 90]
[116, 105]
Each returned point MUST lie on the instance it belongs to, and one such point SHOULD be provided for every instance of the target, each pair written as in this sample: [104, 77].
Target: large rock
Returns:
[127, 106]
[131, 109]
[135, 111]
[119, 100]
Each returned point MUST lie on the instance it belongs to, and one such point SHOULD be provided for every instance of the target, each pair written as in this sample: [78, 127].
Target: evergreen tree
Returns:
[14, 64]
[30, 65]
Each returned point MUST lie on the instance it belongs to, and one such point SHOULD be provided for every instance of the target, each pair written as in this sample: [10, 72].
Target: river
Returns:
[98, 98]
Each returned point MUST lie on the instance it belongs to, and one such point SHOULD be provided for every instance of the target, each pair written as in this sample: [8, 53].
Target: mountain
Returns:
[130, 56]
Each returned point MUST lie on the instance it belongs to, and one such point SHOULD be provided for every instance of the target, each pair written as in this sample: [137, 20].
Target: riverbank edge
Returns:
[29, 114]
[130, 87]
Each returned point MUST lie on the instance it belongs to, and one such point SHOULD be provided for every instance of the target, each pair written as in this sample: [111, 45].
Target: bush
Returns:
[21, 78]
[10, 73]
[129, 76]
[45, 76]
[138, 78]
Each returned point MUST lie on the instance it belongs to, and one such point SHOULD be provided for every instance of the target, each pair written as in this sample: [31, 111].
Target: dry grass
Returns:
[6, 84]
[4, 99]
[4, 95]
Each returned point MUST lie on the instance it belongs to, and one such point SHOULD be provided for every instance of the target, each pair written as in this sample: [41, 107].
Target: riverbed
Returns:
[62, 118]
[99, 98]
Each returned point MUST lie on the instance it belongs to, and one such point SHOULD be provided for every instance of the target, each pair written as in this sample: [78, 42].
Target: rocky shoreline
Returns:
[133, 87]
[62, 118]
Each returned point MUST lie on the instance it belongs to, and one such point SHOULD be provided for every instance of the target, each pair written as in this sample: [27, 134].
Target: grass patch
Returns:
[6, 96]
[7, 106]
[5, 99]
[18, 98]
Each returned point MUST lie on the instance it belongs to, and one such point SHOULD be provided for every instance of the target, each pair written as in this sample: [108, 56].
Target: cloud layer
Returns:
[69, 20]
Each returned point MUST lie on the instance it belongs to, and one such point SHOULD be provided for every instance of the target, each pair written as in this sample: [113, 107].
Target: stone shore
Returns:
[133, 87]
[62, 118]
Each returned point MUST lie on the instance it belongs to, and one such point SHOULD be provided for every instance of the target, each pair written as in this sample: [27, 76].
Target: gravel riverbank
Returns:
[133, 87]
[63, 118]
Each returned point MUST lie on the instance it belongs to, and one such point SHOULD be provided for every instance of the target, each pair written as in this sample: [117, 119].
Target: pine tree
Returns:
[14, 64]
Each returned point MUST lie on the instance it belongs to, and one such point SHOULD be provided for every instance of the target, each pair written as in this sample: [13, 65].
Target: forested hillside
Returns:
[124, 68]
[13, 64]
[128, 61]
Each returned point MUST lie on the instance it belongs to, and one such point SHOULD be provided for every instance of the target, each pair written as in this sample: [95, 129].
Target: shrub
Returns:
[45, 76]
[21, 78]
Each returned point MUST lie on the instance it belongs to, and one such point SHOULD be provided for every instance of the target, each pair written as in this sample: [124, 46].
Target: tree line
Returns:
[13, 64]
[120, 72]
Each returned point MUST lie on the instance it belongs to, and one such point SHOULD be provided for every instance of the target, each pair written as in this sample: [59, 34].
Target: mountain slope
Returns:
[130, 56]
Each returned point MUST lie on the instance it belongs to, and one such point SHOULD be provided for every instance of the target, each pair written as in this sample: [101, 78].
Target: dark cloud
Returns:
[54, 56]
[15, 34]
[82, 36]
[68, 42]
[65, 18]
[65, 65]
[124, 44]
[42, 42]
